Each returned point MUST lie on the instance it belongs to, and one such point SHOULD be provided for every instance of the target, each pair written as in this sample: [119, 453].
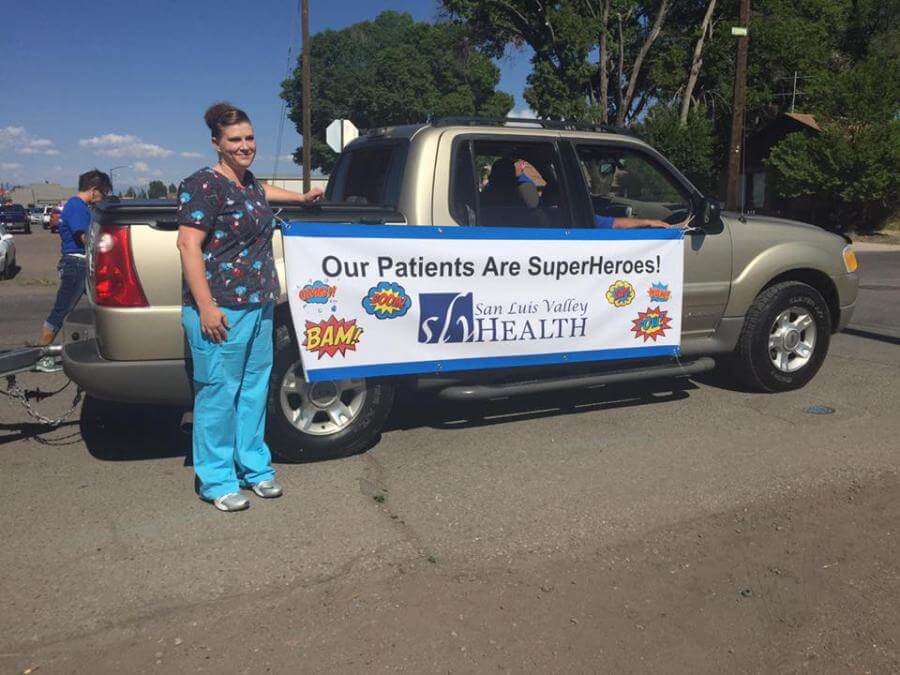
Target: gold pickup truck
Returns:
[761, 295]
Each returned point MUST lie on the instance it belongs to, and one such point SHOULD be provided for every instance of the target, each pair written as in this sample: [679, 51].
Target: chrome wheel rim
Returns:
[792, 339]
[320, 408]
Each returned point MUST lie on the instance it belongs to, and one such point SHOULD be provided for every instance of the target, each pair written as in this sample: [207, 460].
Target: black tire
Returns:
[28, 229]
[9, 271]
[753, 361]
[288, 442]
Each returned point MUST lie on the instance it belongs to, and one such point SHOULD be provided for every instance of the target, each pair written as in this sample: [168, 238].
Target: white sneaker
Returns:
[268, 489]
[233, 501]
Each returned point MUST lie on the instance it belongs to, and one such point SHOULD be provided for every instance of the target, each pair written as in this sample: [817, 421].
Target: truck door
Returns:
[621, 179]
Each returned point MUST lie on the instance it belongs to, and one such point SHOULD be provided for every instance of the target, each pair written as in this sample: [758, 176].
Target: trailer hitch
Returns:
[35, 359]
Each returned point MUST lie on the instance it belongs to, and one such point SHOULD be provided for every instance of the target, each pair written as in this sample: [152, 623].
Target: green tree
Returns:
[392, 71]
[130, 193]
[851, 169]
[645, 50]
[689, 147]
[172, 189]
[156, 189]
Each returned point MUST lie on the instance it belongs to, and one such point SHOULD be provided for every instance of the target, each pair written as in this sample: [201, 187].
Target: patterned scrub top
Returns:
[237, 250]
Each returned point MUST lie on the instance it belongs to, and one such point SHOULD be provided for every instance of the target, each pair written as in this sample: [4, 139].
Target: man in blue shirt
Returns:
[74, 224]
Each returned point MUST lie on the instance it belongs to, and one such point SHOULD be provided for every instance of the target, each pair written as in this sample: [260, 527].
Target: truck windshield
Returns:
[369, 174]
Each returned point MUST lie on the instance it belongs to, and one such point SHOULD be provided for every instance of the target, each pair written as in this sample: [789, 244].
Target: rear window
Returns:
[12, 208]
[369, 174]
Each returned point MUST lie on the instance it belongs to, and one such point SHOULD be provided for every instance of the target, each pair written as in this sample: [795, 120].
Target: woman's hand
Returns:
[314, 195]
[213, 323]
[277, 194]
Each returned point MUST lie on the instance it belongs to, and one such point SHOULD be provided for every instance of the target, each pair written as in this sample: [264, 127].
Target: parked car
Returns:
[762, 294]
[53, 219]
[7, 254]
[15, 218]
[36, 215]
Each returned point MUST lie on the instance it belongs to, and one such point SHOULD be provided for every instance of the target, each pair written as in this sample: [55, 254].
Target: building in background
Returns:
[760, 192]
[39, 194]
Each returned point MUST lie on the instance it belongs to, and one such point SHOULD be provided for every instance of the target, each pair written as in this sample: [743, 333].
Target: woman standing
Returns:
[229, 293]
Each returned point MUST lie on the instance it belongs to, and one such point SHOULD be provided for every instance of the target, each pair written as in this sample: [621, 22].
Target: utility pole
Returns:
[307, 118]
[733, 194]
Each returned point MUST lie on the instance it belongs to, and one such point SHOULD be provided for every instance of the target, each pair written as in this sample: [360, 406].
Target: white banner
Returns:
[376, 300]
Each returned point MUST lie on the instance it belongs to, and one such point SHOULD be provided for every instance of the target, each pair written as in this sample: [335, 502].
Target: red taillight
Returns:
[114, 278]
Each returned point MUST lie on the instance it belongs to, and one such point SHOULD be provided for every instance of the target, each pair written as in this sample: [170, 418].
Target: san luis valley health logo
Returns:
[456, 317]
[445, 317]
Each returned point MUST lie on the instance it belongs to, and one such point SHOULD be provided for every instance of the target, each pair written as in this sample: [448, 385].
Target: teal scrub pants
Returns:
[231, 382]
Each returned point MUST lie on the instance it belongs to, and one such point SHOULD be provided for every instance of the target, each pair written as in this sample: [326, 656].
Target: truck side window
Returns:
[507, 183]
[368, 175]
[626, 183]
[463, 197]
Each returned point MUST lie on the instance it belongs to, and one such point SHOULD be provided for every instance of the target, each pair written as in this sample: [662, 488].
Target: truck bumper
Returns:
[847, 290]
[153, 382]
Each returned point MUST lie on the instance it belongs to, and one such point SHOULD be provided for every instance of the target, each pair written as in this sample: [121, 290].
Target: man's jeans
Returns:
[72, 272]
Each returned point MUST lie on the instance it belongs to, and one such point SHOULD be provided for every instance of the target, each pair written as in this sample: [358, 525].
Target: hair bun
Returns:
[223, 114]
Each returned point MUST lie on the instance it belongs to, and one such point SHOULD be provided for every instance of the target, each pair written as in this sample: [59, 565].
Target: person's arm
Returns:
[79, 221]
[197, 209]
[610, 222]
[213, 321]
[277, 194]
[636, 223]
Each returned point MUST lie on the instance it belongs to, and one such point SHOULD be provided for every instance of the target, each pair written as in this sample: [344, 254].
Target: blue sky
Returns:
[125, 82]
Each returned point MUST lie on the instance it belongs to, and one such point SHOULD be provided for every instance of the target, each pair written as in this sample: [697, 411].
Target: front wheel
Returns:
[320, 420]
[785, 338]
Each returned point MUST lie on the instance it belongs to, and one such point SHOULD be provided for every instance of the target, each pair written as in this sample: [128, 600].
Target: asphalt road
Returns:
[676, 527]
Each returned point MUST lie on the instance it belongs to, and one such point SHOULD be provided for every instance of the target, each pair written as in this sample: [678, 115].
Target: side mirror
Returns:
[710, 213]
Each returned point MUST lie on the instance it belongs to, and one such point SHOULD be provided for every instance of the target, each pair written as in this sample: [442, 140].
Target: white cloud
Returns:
[10, 166]
[141, 167]
[119, 145]
[19, 140]
[524, 113]
[191, 155]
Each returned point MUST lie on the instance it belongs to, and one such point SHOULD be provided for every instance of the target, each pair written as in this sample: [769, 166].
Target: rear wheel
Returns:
[321, 420]
[785, 338]
[9, 269]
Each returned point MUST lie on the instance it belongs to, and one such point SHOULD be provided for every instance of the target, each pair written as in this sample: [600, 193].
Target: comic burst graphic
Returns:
[387, 301]
[651, 324]
[317, 292]
[659, 293]
[332, 336]
[620, 294]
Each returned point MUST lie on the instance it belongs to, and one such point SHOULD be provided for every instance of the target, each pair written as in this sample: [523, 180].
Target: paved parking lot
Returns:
[672, 527]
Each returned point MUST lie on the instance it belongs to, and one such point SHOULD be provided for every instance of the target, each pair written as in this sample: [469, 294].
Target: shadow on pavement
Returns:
[66, 433]
[870, 335]
[122, 432]
[115, 432]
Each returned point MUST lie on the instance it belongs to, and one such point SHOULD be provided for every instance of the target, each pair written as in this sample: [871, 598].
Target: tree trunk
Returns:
[696, 63]
[639, 60]
[604, 73]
